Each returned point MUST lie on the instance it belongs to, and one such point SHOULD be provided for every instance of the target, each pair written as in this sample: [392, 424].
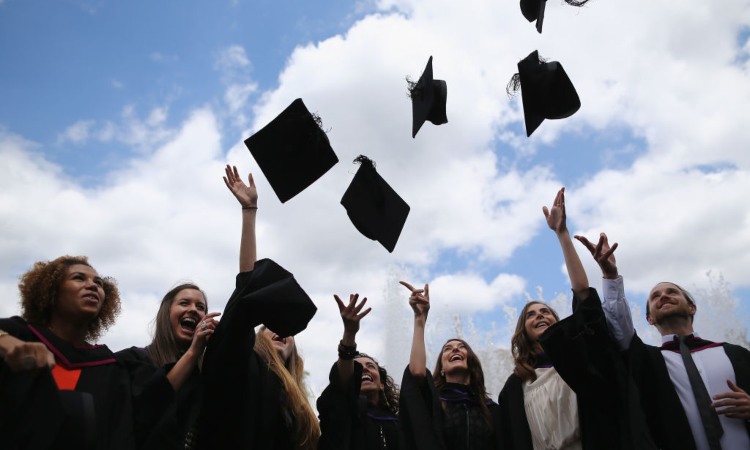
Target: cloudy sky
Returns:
[117, 118]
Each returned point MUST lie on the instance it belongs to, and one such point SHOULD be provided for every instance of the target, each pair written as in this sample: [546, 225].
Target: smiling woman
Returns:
[569, 389]
[359, 407]
[58, 389]
[452, 402]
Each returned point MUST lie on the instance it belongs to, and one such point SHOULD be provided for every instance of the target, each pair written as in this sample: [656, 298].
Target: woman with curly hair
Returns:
[358, 410]
[453, 402]
[569, 389]
[58, 388]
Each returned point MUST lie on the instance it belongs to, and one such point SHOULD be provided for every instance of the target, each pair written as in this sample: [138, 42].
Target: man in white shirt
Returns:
[670, 406]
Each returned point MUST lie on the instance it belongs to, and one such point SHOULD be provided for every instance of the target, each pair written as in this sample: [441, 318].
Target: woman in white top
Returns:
[569, 389]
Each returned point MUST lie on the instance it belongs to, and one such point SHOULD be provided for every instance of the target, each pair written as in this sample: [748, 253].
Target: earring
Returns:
[442, 374]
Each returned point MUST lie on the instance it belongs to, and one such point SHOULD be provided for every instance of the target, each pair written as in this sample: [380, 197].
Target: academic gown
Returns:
[586, 358]
[664, 412]
[175, 429]
[348, 422]
[426, 425]
[243, 398]
[103, 410]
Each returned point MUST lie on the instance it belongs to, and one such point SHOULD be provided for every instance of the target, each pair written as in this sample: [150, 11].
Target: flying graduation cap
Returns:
[428, 99]
[292, 151]
[375, 209]
[546, 91]
[534, 10]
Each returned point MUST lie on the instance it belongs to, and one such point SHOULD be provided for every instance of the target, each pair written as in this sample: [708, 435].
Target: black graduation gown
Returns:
[348, 422]
[242, 397]
[175, 428]
[586, 358]
[104, 411]
[425, 424]
[665, 415]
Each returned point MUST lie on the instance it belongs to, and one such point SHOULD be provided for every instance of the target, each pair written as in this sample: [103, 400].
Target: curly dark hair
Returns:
[476, 378]
[40, 288]
[523, 349]
[388, 396]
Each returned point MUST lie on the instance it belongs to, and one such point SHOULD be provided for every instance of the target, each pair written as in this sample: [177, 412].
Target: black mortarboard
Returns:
[375, 209]
[428, 99]
[534, 10]
[546, 91]
[292, 151]
[271, 297]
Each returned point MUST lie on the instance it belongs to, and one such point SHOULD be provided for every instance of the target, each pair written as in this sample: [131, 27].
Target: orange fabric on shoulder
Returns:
[66, 379]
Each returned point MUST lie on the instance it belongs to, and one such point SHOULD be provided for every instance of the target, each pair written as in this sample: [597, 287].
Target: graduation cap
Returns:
[375, 209]
[292, 151]
[271, 297]
[428, 98]
[282, 304]
[546, 91]
[534, 10]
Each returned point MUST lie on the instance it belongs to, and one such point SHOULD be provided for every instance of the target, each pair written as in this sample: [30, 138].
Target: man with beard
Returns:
[693, 391]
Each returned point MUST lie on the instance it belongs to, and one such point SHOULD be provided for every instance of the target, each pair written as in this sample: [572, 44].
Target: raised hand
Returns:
[247, 195]
[603, 254]
[350, 314]
[734, 404]
[419, 300]
[203, 332]
[556, 216]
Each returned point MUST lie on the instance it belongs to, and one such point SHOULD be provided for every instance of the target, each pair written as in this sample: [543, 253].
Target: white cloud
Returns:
[77, 133]
[670, 78]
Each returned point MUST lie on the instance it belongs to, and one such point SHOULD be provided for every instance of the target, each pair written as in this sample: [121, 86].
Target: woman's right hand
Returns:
[419, 300]
[203, 331]
[21, 356]
[350, 314]
[246, 194]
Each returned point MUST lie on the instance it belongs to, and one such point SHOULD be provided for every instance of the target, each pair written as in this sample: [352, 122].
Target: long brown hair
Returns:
[40, 288]
[388, 396]
[291, 374]
[476, 377]
[523, 348]
[164, 348]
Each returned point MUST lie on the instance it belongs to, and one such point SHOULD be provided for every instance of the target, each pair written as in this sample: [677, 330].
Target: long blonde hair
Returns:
[305, 435]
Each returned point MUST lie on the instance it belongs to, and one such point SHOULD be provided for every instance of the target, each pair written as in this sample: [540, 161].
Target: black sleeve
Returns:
[341, 421]
[513, 431]
[420, 415]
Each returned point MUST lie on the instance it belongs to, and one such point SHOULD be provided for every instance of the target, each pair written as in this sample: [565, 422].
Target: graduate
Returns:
[570, 388]
[183, 326]
[448, 409]
[358, 410]
[60, 390]
[686, 408]
[253, 391]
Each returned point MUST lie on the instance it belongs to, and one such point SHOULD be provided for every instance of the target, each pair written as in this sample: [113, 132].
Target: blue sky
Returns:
[116, 119]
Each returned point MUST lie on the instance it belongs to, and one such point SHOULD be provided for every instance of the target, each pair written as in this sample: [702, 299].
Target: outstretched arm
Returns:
[247, 195]
[350, 315]
[556, 220]
[614, 304]
[419, 300]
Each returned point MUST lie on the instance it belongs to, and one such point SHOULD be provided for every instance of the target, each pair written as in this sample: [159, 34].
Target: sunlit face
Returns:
[186, 311]
[666, 301]
[284, 346]
[454, 357]
[371, 382]
[81, 294]
[537, 319]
